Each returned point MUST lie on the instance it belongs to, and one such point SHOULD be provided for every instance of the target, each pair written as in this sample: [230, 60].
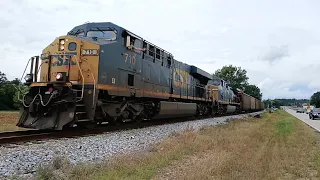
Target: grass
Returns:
[285, 126]
[275, 146]
[8, 121]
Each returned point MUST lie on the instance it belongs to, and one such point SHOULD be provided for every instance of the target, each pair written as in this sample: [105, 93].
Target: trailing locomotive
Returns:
[101, 72]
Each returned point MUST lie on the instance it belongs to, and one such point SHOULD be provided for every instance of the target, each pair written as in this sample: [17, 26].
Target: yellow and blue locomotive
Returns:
[101, 72]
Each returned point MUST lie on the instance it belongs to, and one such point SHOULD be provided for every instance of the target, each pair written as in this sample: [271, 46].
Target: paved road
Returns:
[305, 118]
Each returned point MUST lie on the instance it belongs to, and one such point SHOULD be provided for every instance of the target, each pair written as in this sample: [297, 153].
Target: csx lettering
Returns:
[58, 61]
[181, 78]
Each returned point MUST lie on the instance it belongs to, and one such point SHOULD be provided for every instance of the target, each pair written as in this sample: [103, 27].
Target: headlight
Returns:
[28, 78]
[61, 44]
[59, 76]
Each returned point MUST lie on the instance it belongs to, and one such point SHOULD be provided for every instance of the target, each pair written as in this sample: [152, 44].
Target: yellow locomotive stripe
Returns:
[46, 84]
[165, 95]
[38, 84]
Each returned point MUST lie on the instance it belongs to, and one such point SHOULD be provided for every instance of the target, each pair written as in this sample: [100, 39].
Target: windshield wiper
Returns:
[100, 30]
[75, 33]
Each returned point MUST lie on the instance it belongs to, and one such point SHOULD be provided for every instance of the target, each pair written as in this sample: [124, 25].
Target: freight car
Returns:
[101, 72]
[249, 103]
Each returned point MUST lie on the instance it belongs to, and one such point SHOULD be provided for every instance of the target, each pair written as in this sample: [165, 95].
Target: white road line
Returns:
[315, 124]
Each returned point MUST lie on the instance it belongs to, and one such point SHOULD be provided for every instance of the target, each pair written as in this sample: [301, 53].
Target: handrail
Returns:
[19, 86]
[81, 76]
[94, 83]
[37, 70]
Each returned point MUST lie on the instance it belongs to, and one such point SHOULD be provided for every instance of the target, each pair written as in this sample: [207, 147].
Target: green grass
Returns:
[317, 160]
[285, 126]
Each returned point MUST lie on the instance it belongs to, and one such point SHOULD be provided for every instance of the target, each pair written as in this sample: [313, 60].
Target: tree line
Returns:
[314, 101]
[9, 93]
[238, 79]
[286, 102]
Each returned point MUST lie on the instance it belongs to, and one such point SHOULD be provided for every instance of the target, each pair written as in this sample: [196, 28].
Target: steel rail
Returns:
[35, 135]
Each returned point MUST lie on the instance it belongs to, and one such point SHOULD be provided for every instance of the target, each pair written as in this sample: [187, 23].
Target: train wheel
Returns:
[138, 120]
[87, 125]
[214, 112]
[199, 110]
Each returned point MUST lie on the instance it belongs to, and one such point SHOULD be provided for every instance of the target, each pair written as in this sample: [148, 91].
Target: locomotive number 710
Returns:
[131, 58]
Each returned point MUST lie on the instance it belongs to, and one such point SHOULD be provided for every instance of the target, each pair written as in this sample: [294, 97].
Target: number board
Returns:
[89, 52]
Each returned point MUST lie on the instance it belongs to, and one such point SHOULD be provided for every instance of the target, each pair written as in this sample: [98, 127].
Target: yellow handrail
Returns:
[81, 73]
[94, 83]
[81, 76]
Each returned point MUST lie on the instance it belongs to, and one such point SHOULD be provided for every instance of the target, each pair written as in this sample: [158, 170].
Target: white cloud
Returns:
[277, 42]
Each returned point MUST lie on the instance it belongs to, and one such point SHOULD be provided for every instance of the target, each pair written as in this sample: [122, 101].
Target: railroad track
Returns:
[18, 136]
[35, 135]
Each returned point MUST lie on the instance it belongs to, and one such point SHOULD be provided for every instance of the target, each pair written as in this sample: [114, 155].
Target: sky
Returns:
[276, 42]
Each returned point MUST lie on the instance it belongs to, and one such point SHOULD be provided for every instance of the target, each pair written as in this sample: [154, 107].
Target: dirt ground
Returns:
[8, 121]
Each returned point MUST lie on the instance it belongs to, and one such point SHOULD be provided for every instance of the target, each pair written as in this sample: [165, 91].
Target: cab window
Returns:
[103, 34]
[80, 34]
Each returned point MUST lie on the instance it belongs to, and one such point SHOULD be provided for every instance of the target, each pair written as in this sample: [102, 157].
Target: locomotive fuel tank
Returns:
[176, 109]
[231, 109]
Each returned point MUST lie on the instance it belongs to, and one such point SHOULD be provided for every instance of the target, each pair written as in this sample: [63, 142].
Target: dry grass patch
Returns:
[8, 121]
[276, 146]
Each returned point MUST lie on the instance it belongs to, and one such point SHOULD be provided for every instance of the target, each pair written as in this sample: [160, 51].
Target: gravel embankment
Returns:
[24, 159]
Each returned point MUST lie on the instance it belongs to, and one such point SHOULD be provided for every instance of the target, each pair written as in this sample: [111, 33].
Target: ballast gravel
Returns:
[24, 159]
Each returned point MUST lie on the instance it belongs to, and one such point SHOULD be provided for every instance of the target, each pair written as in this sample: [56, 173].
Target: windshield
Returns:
[78, 32]
[104, 34]
[316, 110]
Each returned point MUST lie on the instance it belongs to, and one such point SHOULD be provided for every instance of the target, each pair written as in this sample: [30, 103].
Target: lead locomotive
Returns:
[101, 72]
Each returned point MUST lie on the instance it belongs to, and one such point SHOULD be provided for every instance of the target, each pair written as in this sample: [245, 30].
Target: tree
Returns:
[3, 78]
[276, 103]
[6, 97]
[315, 99]
[236, 76]
[9, 92]
[16, 81]
[253, 90]
[267, 103]
[23, 89]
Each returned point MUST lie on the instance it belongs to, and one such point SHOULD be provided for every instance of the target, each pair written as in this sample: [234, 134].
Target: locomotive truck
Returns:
[101, 72]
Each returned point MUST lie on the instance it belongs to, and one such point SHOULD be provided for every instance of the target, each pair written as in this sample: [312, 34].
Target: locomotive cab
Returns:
[62, 86]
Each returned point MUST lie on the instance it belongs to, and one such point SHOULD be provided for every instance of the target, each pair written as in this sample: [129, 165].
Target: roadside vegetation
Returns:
[275, 146]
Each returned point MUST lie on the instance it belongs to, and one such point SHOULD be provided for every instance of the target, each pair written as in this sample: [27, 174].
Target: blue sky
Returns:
[277, 42]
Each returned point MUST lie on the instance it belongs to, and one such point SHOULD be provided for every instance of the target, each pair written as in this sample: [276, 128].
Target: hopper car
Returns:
[103, 73]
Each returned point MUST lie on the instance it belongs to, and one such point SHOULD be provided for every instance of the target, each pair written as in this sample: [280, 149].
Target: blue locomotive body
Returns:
[134, 80]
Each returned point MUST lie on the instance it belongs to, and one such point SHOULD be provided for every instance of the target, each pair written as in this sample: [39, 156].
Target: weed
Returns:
[284, 126]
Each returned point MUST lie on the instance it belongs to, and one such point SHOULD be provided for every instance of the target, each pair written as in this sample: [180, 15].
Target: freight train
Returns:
[102, 73]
